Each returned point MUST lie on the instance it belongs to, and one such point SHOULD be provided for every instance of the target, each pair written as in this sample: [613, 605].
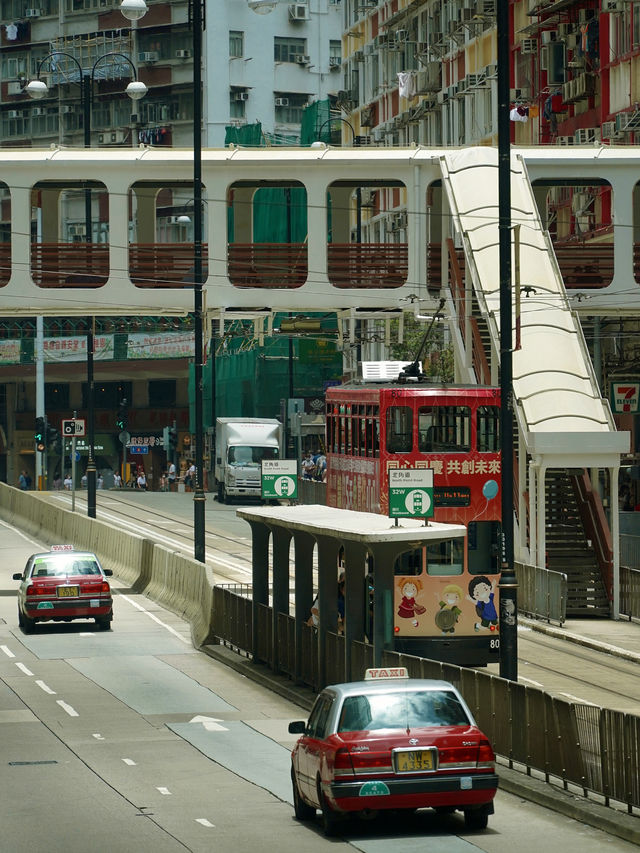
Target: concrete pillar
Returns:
[304, 545]
[243, 214]
[328, 548]
[542, 516]
[384, 558]
[280, 600]
[533, 513]
[259, 576]
[50, 215]
[144, 213]
[341, 206]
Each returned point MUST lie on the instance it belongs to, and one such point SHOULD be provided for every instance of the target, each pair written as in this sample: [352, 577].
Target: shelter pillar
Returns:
[259, 577]
[614, 504]
[304, 543]
[356, 596]
[384, 558]
[328, 549]
[281, 542]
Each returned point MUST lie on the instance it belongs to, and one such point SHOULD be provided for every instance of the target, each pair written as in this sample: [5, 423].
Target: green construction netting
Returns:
[280, 215]
[316, 124]
[249, 135]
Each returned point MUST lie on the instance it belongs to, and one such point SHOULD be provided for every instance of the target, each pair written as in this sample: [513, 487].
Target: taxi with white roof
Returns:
[391, 743]
[61, 585]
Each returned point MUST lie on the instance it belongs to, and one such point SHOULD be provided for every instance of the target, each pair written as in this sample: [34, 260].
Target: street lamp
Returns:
[38, 89]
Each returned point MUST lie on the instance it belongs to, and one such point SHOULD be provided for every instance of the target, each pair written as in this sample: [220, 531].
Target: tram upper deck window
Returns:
[409, 563]
[399, 429]
[444, 429]
[488, 435]
[446, 557]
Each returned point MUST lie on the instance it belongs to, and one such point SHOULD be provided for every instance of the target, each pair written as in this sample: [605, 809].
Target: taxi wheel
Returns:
[103, 624]
[476, 819]
[28, 625]
[302, 810]
[330, 820]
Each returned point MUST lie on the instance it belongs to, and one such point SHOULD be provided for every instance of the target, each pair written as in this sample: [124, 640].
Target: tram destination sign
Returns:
[410, 492]
[279, 479]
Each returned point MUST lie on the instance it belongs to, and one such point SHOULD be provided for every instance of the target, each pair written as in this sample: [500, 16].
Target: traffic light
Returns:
[40, 437]
[173, 438]
[54, 444]
[122, 418]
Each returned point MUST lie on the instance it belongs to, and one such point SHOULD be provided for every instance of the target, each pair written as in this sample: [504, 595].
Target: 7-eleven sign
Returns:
[624, 397]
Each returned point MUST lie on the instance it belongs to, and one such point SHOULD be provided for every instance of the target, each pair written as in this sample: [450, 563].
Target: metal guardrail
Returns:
[630, 592]
[542, 593]
[594, 749]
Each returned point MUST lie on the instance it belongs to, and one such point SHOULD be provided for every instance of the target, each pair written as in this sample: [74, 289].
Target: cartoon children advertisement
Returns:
[451, 615]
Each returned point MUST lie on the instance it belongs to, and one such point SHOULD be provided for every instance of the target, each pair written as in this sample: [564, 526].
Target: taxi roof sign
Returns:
[62, 547]
[386, 672]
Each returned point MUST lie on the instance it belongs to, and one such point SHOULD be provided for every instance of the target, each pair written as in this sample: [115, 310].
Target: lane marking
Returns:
[24, 668]
[155, 619]
[7, 651]
[21, 534]
[86, 634]
[45, 687]
[65, 707]
[98, 736]
[164, 791]
[211, 724]
[204, 822]
[129, 761]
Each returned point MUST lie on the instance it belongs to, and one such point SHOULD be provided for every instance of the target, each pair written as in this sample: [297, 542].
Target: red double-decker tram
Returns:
[446, 597]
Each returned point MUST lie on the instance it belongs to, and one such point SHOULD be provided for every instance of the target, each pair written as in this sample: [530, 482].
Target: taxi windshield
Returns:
[402, 710]
[64, 566]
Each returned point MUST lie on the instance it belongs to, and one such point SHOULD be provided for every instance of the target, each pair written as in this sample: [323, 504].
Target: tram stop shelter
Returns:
[368, 539]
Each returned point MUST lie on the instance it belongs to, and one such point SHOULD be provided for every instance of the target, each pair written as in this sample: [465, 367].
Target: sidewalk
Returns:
[616, 637]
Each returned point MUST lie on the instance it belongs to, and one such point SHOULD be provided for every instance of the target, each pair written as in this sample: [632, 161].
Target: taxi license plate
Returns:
[68, 591]
[419, 759]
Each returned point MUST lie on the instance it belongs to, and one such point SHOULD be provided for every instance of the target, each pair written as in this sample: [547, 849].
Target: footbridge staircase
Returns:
[566, 441]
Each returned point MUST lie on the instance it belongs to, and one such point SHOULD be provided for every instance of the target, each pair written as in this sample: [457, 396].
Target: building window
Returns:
[287, 49]
[289, 107]
[335, 51]
[237, 104]
[108, 395]
[56, 396]
[236, 44]
[162, 392]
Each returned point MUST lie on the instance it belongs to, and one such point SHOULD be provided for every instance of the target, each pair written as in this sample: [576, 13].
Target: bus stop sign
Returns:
[279, 479]
[410, 492]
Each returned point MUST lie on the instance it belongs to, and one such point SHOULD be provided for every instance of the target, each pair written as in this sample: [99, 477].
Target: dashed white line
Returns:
[205, 822]
[98, 736]
[45, 687]
[24, 668]
[7, 651]
[164, 791]
[65, 707]
[129, 761]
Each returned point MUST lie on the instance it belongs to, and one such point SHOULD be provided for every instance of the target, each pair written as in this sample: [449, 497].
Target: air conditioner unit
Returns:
[33, 13]
[173, 220]
[564, 140]
[335, 62]
[369, 49]
[400, 221]
[486, 7]
[281, 102]
[401, 35]
[240, 96]
[610, 6]
[77, 231]
[358, 56]
[585, 15]
[568, 91]
[298, 12]
[585, 135]
[549, 36]
[609, 130]
[183, 54]
[529, 46]
[14, 113]
[367, 197]
[442, 97]
[38, 111]
[628, 122]
[564, 30]
[522, 94]
[381, 40]
[14, 88]
[67, 109]
[303, 60]
[148, 56]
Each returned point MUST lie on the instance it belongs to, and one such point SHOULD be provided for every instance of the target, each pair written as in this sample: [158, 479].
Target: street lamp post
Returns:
[199, 496]
[38, 89]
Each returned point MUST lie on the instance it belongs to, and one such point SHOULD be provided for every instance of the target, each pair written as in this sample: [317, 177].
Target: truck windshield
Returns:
[246, 455]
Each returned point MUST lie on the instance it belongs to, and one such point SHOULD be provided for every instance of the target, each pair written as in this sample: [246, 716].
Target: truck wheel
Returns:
[226, 497]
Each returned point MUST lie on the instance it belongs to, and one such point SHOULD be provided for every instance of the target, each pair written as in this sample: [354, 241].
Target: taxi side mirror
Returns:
[108, 572]
[17, 576]
[297, 728]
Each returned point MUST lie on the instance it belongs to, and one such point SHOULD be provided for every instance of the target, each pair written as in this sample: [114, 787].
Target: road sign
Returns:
[140, 449]
[74, 426]
[279, 479]
[411, 492]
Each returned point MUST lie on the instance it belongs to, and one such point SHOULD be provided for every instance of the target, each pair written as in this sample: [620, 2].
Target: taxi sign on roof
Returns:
[62, 547]
[388, 672]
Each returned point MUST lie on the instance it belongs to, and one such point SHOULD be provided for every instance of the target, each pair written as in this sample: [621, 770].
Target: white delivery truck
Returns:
[241, 445]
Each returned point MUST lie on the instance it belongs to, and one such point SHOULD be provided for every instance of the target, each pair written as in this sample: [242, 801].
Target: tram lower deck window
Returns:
[446, 557]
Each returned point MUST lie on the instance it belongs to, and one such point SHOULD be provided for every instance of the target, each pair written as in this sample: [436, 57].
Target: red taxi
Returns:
[61, 585]
[391, 742]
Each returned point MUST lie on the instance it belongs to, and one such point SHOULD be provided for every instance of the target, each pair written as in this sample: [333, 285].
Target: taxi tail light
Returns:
[371, 760]
[479, 754]
[486, 755]
[105, 587]
[37, 589]
[342, 762]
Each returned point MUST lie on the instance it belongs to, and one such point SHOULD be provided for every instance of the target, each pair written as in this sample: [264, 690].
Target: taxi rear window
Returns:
[402, 710]
[47, 567]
